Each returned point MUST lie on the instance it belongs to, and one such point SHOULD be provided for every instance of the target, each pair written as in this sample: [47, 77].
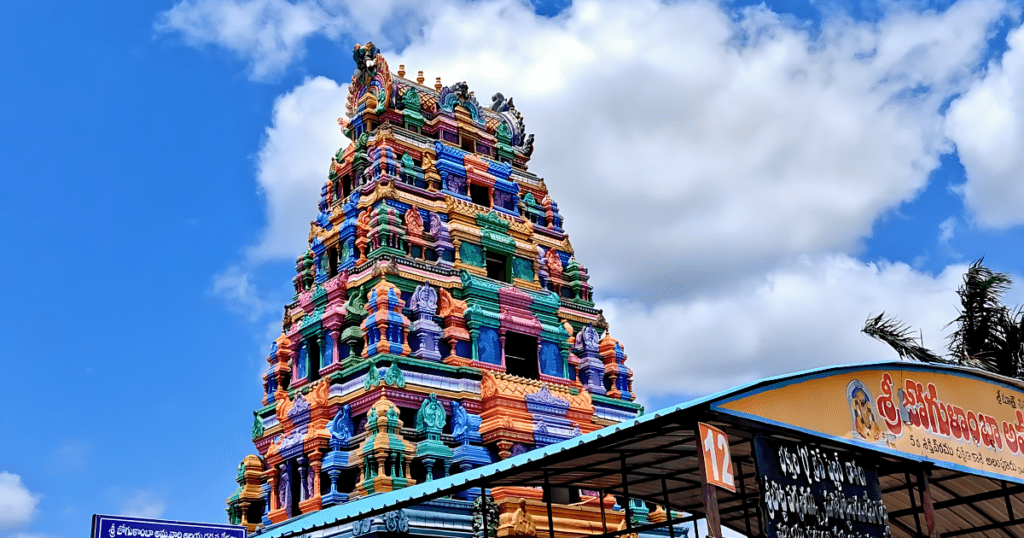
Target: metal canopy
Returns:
[654, 458]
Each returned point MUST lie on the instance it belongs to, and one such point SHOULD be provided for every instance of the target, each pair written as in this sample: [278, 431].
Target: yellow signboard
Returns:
[945, 415]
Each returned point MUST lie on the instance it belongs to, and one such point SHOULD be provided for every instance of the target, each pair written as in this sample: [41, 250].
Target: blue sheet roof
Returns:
[532, 462]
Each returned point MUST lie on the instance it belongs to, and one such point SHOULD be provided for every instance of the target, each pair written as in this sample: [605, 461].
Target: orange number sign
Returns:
[717, 461]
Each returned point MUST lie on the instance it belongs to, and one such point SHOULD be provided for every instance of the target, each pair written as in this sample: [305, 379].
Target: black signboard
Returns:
[811, 492]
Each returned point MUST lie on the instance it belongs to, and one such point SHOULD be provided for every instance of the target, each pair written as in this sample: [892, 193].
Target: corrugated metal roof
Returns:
[658, 452]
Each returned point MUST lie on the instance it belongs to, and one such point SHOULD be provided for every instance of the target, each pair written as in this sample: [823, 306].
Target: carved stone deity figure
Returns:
[522, 522]
[528, 146]
[461, 91]
[366, 63]
[431, 416]
[310, 486]
[413, 222]
[542, 267]
[460, 422]
[284, 490]
[442, 238]
[341, 427]
[500, 104]
[448, 305]
[554, 264]
[424, 330]
[424, 300]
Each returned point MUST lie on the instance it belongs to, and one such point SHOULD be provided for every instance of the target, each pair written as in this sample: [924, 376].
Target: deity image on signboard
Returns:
[862, 411]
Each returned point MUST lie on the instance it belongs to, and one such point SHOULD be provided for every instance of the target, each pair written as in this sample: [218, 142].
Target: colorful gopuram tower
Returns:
[440, 321]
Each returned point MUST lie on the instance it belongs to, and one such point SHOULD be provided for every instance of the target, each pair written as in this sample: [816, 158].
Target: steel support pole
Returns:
[757, 513]
[913, 502]
[551, 517]
[1009, 505]
[604, 519]
[668, 511]
[743, 493]
[625, 491]
[926, 502]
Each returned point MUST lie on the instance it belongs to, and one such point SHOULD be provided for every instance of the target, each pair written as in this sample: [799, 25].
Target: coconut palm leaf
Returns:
[988, 335]
[900, 337]
[1008, 339]
[978, 339]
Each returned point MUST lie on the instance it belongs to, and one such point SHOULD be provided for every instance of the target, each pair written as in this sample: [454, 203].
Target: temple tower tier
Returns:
[440, 321]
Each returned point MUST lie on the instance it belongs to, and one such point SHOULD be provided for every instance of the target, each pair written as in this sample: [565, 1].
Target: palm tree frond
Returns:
[980, 328]
[900, 337]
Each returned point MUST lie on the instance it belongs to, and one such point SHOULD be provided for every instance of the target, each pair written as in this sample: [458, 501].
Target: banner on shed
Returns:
[958, 418]
[810, 492]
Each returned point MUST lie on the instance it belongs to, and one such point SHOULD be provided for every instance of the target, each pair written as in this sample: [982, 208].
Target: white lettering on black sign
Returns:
[808, 492]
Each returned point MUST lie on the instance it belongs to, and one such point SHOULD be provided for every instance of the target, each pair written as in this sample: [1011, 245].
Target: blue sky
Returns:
[746, 183]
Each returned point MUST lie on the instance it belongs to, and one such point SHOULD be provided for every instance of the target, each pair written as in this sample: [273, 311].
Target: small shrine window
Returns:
[255, 513]
[416, 251]
[408, 417]
[346, 185]
[294, 485]
[412, 127]
[480, 195]
[521, 355]
[430, 254]
[467, 144]
[313, 356]
[332, 262]
[497, 266]
[480, 148]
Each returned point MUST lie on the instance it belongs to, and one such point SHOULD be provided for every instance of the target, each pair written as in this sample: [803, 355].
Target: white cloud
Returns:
[718, 143]
[270, 34]
[292, 166]
[987, 124]
[804, 315]
[947, 229]
[142, 503]
[715, 167]
[293, 163]
[17, 503]
[235, 286]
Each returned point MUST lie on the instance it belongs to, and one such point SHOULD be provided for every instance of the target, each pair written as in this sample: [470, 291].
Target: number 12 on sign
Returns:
[717, 460]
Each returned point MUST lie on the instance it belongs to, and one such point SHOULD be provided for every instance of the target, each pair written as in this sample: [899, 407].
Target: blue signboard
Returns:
[134, 527]
[811, 491]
